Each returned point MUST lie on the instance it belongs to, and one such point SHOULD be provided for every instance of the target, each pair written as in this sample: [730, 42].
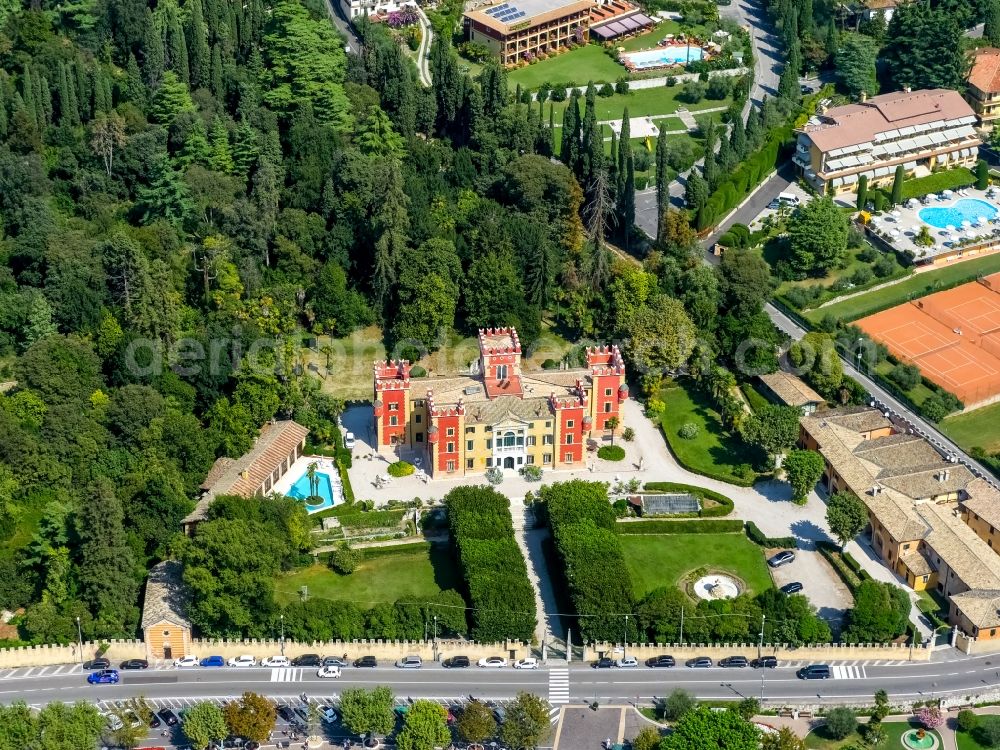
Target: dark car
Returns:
[768, 662]
[135, 664]
[660, 661]
[815, 672]
[99, 663]
[700, 662]
[154, 722]
[782, 558]
[251, 745]
[791, 588]
[213, 661]
[307, 660]
[734, 661]
[334, 661]
[604, 663]
[286, 713]
[303, 713]
[168, 716]
[457, 662]
[366, 661]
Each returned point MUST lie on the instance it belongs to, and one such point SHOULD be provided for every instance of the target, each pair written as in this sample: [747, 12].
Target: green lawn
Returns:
[917, 394]
[819, 740]
[977, 429]
[967, 741]
[918, 285]
[934, 183]
[713, 451]
[578, 66]
[662, 560]
[384, 575]
[654, 102]
[852, 265]
[650, 38]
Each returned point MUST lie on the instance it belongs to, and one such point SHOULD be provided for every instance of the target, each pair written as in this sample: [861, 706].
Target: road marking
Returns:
[558, 686]
[848, 673]
[286, 674]
[28, 673]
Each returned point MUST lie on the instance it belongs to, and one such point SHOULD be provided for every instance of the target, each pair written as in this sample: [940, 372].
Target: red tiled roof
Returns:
[985, 74]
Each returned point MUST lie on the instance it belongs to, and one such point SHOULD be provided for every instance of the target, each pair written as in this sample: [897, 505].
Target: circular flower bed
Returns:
[611, 452]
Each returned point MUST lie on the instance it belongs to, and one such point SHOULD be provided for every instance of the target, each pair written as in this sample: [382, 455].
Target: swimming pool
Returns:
[663, 56]
[966, 209]
[301, 491]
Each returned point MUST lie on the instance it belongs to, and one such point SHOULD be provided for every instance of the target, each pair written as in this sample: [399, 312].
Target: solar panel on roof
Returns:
[497, 10]
[660, 505]
[520, 14]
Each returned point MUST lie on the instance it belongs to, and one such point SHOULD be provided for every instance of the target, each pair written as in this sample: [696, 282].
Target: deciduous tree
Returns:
[368, 712]
[204, 723]
[252, 716]
[802, 470]
[424, 727]
[847, 516]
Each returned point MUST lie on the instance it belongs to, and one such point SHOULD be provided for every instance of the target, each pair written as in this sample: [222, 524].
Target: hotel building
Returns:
[498, 416]
[931, 521]
[517, 29]
[983, 91]
[922, 130]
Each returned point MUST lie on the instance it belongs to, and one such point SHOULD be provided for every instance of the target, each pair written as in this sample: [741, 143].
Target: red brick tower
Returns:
[392, 402]
[609, 390]
[570, 429]
[500, 361]
[444, 437]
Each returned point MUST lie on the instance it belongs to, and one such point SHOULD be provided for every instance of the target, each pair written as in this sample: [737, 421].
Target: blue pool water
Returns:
[966, 209]
[658, 58]
[300, 491]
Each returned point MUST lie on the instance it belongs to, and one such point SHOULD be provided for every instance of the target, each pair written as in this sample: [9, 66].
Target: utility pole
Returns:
[682, 626]
[625, 639]
[435, 637]
[79, 635]
[760, 644]
[282, 634]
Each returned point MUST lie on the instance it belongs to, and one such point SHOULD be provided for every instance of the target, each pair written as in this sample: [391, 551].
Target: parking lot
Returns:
[821, 584]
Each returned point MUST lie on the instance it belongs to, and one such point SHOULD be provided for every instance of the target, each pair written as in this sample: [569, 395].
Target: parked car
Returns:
[529, 662]
[791, 588]
[98, 663]
[331, 671]
[113, 722]
[782, 558]
[302, 712]
[246, 660]
[134, 721]
[765, 662]
[134, 664]
[734, 661]
[328, 714]
[499, 712]
[815, 672]
[286, 713]
[335, 661]
[700, 662]
[366, 661]
[104, 677]
[154, 722]
[495, 662]
[349, 441]
[306, 660]
[168, 716]
[457, 662]
[251, 745]
[627, 662]
[275, 661]
[604, 663]
[213, 661]
[660, 661]
[410, 662]
[186, 661]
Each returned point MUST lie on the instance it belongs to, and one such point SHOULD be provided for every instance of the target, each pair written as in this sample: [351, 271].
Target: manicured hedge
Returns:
[724, 508]
[846, 567]
[589, 550]
[375, 519]
[757, 536]
[658, 526]
[345, 483]
[497, 588]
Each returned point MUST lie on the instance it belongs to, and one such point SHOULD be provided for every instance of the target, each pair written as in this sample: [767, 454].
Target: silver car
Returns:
[410, 662]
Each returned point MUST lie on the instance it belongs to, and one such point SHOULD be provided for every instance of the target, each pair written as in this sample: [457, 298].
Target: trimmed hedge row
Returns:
[724, 508]
[714, 526]
[590, 552]
[846, 567]
[374, 519]
[755, 535]
[498, 591]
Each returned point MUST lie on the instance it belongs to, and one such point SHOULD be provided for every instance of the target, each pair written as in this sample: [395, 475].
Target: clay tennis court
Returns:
[952, 336]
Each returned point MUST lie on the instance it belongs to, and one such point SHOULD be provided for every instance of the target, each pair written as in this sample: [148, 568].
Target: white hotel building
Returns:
[922, 130]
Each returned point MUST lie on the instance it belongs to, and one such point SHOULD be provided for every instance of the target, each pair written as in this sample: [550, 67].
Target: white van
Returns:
[790, 198]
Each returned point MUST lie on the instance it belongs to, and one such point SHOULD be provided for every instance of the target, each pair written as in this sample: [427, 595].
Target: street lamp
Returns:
[625, 641]
[79, 635]
[282, 634]
[760, 653]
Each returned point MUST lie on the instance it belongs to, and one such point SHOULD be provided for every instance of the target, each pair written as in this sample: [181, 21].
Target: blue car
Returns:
[104, 677]
[213, 661]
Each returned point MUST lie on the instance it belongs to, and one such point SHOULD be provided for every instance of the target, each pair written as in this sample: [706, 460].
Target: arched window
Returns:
[509, 439]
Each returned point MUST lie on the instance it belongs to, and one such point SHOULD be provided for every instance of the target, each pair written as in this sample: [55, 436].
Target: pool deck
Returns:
[298, 470]
[900, 226]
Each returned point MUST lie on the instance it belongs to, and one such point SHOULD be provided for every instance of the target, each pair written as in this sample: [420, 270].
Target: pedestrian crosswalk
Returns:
[848, 673]
[558, 686]
[286, 674]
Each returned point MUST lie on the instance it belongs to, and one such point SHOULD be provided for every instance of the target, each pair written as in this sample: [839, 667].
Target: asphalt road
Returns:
[959, 675]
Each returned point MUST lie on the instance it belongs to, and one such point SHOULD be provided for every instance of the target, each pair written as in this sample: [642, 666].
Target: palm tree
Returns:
[611, 423]
[311, 470]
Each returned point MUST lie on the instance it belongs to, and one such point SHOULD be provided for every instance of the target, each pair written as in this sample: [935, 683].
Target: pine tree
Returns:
[135, 91]
[195, 149]
[991, 28]
[170, 99]
[200, 57]
[167, 195]
[246, 149]
[221, 159]
[152, 49]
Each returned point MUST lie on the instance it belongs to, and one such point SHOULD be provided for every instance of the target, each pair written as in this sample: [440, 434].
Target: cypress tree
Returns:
[245, 149]
[624, 151]
[832, 40]
[626, 201]
[218, 87]
[135, 91]
[221, 159]
[30, 96]
[662, 184]
[738, 139]
[45, 99]
[4, 124]
[991, 27]
[83, 93]
[565, 147]
[62, 89]
[754, 130]
[102, 92]
[862, 192]
[592, 142]
[711, 170]
[696, 191]
[725, 157]
[152, 49]
[200, 57]
[897, 185]
[177, 46]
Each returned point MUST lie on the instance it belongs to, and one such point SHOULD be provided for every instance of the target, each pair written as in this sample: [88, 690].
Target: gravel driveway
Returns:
[824, 589]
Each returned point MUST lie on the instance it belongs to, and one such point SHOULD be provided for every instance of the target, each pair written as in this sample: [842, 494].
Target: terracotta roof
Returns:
[245, 475]
[972, 560]
[985, 73]
[166, 596]
[917, 563]
[880, 4]
[982, 607]
[855, 124]
[984, 501]
[508, 407]
[790, 389]
[536, 12]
